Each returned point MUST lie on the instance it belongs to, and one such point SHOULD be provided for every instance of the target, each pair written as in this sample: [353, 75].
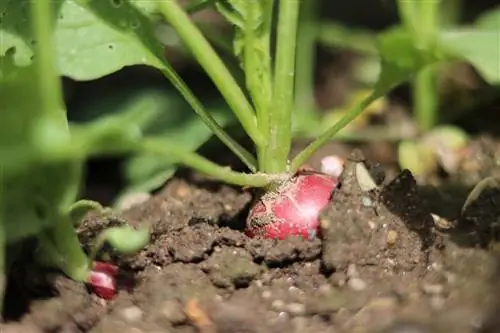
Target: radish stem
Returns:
[280, 112]
[203, 165]
[213, 65]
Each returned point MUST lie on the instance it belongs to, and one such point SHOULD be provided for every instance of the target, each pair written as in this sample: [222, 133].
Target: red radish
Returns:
[292, 209]
[103, 278]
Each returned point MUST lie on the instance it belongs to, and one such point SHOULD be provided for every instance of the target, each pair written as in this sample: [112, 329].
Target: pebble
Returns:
[325, 289]
[295, 309]
[332, 165]
[366, 201]
[407, 327]
[266, 294]
[433, 289]
[437, 302]
[131, 314]
[133, 199]
[338, 279]
[357, 284]
[299, 324]
[172, 310]
[392, 237]
[352, 271]
[278, 305]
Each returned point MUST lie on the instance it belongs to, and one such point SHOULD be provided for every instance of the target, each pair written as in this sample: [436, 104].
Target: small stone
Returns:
[299, 324]
[133, 199]
[352, 271]
[131, 314]
[183, 191]
[172, 310]
[392, 237]
[266, 294]
[437, 302]
[332, 165]
[338, 279]
[325, 289]
[407, 327]
[357, 284]
[277, 305]
[295, 309]
[366, 201]
[433, 289]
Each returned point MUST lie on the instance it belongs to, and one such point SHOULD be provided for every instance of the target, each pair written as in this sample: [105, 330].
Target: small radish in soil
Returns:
[293, 208]
[102, 280]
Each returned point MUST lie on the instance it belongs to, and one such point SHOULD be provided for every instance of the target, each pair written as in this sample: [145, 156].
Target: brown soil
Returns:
[384, 265]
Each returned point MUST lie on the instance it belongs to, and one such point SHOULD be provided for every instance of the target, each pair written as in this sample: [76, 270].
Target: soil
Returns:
[384, 263]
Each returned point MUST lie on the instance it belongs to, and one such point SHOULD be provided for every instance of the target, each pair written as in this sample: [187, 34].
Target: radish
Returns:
[293, 208]
[102, 280]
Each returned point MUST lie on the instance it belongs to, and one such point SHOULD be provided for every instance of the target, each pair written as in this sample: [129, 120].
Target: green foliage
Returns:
[124, 239]
[92, 38]
[401, 58]
[478, 44]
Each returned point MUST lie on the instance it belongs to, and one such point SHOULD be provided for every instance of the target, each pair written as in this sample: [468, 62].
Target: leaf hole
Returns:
[117, 3]
[111, 46]
[11, 51]
[135, 24]
[40, 210]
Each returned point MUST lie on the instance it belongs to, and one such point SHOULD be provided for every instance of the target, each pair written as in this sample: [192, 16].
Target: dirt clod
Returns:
[229, 267]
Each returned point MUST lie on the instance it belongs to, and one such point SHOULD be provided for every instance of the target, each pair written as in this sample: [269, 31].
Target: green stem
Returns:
[429, 17]
[213, 65]
[408, 13]
[257, 66]
[338, 36]
[49, 84]
[244, 155]
[305, 154]
[198, 5]
[3, 256]
[60, 247]
[305, 102]
[425, 95]
[203, 165]
[280, 113]
[425, 98]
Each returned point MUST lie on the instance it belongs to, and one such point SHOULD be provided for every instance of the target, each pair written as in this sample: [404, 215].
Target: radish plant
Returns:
[42, 154]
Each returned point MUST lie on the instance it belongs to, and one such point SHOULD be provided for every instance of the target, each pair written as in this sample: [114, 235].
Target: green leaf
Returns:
[20, 111]
[479, 45]
[88, 46]
[489, 20]
[401, 59]
[96, 38]
[124, 239]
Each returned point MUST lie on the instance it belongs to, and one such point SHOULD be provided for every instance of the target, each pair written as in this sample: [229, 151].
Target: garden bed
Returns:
[384, 264]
